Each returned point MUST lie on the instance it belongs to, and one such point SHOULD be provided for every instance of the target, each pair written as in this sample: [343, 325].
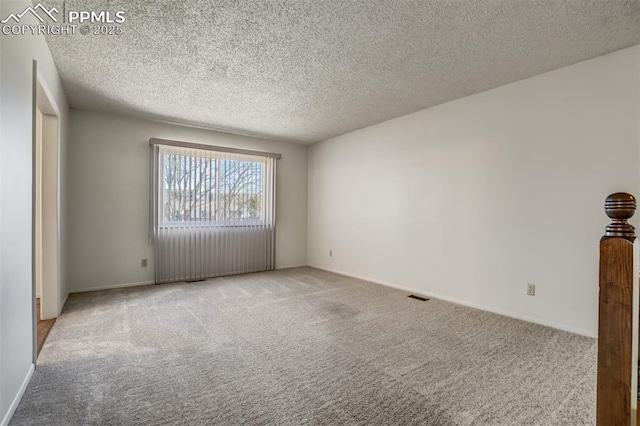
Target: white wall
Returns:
[472, 200]
[16, 285]
[109, 196]
[51, 295]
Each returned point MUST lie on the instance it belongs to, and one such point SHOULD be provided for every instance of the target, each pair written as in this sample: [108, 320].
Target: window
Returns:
[210, 188]
[212, 211]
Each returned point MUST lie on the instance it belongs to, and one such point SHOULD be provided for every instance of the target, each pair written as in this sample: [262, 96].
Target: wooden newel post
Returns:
[618, 316]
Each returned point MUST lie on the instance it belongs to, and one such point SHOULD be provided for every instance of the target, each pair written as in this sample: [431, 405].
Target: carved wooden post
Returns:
[618, 316]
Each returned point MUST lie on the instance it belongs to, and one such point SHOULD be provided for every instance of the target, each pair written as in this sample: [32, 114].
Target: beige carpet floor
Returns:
[301, 347]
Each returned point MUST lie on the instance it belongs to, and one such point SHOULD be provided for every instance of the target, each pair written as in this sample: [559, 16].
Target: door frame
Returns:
[44, 100]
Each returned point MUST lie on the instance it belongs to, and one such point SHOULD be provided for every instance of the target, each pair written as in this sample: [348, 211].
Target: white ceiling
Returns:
[308, 70]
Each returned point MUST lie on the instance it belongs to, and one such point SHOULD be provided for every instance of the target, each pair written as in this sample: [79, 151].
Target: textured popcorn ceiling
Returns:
[309, 70]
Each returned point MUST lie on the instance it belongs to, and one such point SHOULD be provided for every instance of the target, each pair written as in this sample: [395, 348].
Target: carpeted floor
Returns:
[301, 346]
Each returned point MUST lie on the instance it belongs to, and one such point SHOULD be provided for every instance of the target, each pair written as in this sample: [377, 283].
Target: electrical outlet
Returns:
[145, 263]
[531, 289]
[330, 253]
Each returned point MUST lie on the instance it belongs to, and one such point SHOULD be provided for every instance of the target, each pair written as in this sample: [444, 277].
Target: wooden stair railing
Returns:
[617, 392]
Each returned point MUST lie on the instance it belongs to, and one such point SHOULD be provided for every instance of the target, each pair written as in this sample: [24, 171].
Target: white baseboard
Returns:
[16, 400]
[464, 303]
[111, 287]
[291, 266]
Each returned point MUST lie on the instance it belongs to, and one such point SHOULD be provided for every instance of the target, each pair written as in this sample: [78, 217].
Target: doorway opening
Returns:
[46, 211]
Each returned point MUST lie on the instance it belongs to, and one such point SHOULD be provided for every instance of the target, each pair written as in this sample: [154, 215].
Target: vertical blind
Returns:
[212, 213]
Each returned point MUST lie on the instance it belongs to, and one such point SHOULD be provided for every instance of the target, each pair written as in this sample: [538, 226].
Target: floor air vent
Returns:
[422, 299]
